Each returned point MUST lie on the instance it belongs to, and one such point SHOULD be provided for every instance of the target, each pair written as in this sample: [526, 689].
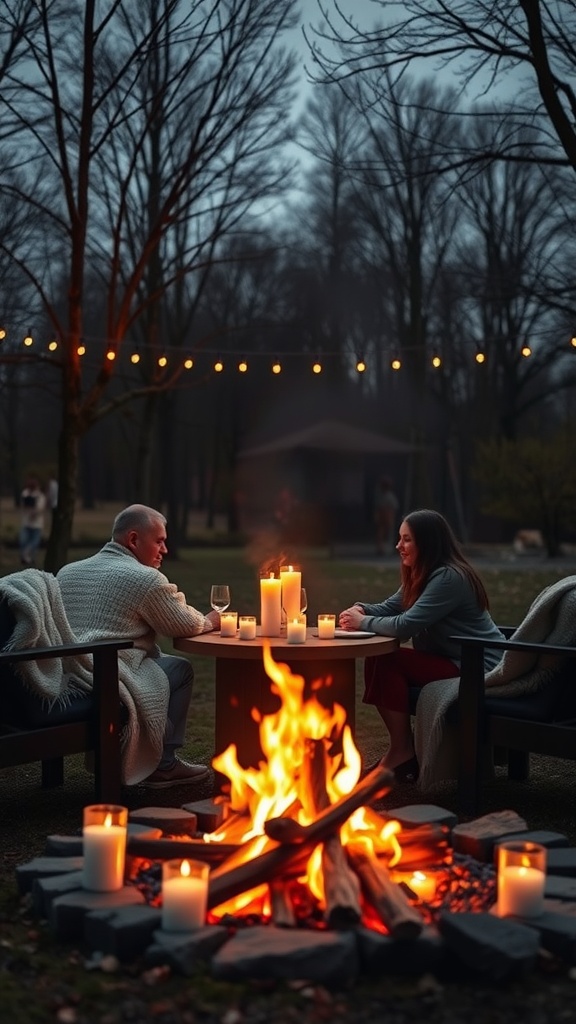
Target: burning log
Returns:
[393, 908]
[288, 831]
[167, 849]
[341, 885]
[282, 909]
[234, 876]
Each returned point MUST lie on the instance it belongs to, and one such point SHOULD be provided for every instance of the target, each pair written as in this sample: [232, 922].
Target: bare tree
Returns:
[483, 44]
[122, 120]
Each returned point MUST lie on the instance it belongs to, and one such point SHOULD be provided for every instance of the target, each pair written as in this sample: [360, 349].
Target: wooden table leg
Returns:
[242, 685]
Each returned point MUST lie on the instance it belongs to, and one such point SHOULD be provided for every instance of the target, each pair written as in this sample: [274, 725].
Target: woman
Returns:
[440, 596]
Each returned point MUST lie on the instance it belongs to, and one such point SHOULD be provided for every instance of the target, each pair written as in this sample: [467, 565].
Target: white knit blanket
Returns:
[35, 600]
[550, 619]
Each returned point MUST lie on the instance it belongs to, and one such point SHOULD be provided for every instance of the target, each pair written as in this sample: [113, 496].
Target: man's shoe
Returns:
[181, 773]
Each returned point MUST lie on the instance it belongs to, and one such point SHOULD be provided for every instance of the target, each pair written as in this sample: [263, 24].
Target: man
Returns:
[120, 592]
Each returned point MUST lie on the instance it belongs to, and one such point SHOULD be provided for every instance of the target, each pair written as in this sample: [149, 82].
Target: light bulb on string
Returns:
[436, 361]
[162, 361]
[52, 345]
[218, 366]
[276, 366]
[29, 340]
[242, 366]
[526, 350]
[135, 358]
[188, 364]
[2, 333]
[111, 355]
[396, 363]
[81, 350]
[573, 341]
[480, 357]
[360, 365]
[317, 366]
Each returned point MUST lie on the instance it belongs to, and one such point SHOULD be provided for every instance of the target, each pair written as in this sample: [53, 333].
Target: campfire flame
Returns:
[299, 732]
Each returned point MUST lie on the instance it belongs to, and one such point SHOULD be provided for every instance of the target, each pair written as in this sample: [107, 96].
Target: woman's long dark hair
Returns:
[436, 546]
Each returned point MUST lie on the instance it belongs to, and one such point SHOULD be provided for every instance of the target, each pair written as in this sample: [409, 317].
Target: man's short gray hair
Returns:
[135, 517]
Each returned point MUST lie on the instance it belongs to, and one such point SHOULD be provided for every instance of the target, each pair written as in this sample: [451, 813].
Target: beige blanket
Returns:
[35, 600]
[550, 619]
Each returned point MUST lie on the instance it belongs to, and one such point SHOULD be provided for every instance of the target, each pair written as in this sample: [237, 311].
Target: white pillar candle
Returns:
[291, 580]
[296, 630]
[521, 879]
[326, 627]
[247, 627]
[104, 847]
[270, 605]
[228, 623]
[184, 894]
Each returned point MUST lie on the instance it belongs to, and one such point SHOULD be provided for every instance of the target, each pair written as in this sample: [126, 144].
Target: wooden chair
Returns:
[539, 723]
[30, 732]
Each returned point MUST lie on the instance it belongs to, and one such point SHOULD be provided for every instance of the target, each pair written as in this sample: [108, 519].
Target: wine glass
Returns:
[303, 600]
[220, 597]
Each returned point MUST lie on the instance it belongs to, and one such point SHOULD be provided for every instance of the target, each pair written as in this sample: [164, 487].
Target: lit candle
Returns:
[247, 627]
[270, 605]
[326, 627]
[228, 623]
[104, 847]
[521, 879]
[184, 894]
[296, 630]
[291, 580]
[424, 886]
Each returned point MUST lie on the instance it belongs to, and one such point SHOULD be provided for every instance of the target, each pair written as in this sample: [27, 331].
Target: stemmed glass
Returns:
[220, 597]
[303, 601]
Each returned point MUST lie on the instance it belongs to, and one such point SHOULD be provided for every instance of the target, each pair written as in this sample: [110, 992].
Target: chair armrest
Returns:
[63, 650]
[514, 645]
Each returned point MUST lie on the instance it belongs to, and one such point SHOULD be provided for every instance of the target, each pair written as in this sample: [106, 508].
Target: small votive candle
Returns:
[228, 623]
[326, 627]
[184, 894]
[521, 879]
[247, 627]
[296, 630]
[424, 886]
[104, 847]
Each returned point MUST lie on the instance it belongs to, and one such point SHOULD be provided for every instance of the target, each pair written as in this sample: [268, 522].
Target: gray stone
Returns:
[174, 820]
[381, 954]
[124, 932]
[71, 846]
[550, 840]
[562, 862]
[209, 814]
[556, 928]
[498, 947]
[43, 867]
[560, 887]
[183, 951]
[324, 957]
[67, 912]
[413, 815]
[44, 890]
[476, 838]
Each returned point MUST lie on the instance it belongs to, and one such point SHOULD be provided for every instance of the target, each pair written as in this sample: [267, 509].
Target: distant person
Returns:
[52, 495]
[386, 507]
[441, 595]
[32, 506]
[120, 592]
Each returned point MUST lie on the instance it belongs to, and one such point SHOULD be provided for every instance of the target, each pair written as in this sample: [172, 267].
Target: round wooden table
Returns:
[241, 683]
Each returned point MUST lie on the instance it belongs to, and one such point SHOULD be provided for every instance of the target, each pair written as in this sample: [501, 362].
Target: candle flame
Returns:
[419, 876]
[108, 821]
[185, 868]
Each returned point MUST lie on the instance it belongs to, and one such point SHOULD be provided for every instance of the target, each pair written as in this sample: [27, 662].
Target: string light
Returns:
[480, 357]
[188, 364]
[53, 345]
[29, 340]
[111, 355]
[218, 366]
[135, 358]
[573, 341]
[317, 367]
[396, 364]
[162, 361]
[276, 366]
[81, 350]
[360, 365]
[2, 333]
[242, 366]
[436, 361]
[526, 350]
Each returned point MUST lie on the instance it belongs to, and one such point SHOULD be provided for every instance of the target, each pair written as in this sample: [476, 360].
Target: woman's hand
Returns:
[351, 618]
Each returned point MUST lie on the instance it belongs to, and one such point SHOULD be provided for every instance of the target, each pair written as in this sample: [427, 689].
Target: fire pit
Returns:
[307, 878]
